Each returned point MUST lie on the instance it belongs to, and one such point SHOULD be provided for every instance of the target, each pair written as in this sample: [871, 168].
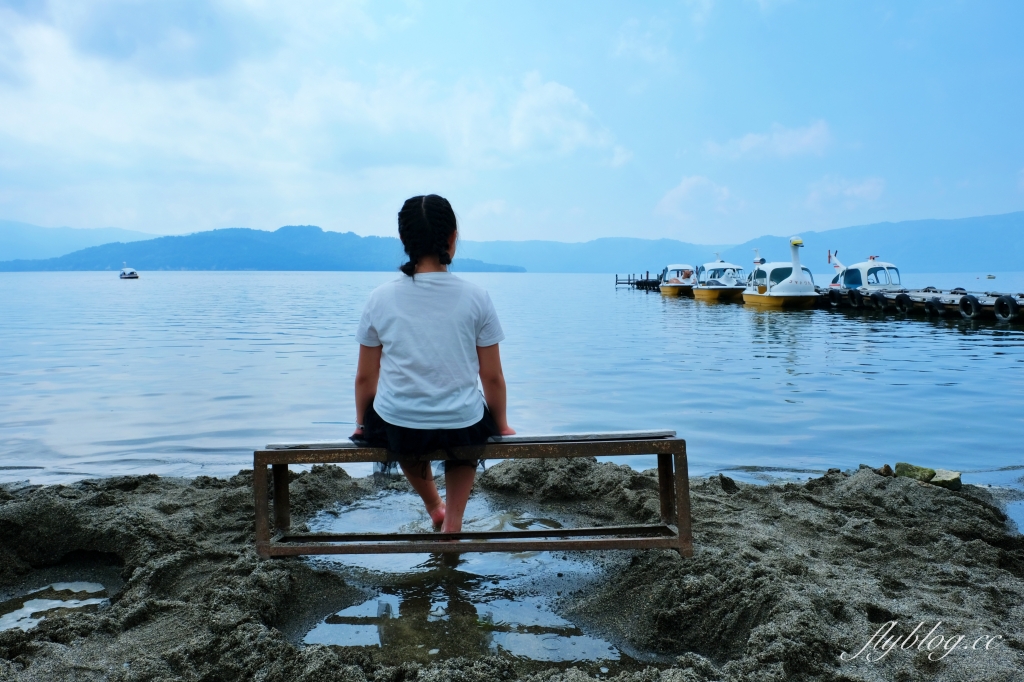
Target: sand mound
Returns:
[785, 578]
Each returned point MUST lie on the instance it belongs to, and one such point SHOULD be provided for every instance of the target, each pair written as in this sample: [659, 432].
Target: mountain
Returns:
[983, 244]
[295, 247]
[611, 254]
[24, 241]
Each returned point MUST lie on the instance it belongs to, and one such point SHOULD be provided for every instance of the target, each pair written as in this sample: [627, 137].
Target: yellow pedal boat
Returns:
[782, 285]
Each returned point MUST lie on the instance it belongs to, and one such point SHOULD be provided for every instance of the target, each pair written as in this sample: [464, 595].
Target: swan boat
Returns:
[678, 280]
[719, 281]
[781, 285]
[128, 273]
[860, 280]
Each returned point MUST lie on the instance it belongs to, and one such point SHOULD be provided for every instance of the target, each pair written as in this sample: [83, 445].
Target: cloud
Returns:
[647, 42]
[780, 142]
[549, 117]
[486, 208]
[695, 194]
[700, 10]
[181, 130]
[832, 190]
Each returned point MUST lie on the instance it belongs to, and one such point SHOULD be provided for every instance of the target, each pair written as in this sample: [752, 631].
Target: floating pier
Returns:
[929, 301]
[992, 305]
[646, 283]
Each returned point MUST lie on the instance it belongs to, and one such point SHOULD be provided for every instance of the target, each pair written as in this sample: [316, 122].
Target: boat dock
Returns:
[993, 306]
[645, 283]
[930, 301]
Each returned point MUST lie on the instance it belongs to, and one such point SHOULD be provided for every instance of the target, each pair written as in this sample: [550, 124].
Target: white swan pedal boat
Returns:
[782, 284]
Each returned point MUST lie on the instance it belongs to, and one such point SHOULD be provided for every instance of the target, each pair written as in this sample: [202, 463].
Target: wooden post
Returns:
[683, 506]
[259, 486]
[666, 489]
[282, 510]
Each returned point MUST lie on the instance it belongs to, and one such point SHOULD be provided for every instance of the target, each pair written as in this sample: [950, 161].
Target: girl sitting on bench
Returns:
[423, 340]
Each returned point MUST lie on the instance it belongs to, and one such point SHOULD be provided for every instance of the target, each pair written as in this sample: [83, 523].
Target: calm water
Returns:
[183, 373]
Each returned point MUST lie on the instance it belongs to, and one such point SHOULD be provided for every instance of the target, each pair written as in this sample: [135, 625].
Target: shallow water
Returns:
[185, 373]
[434, 606]
[27, 611]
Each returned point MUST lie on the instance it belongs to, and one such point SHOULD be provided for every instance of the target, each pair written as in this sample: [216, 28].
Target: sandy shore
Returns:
[784, 580]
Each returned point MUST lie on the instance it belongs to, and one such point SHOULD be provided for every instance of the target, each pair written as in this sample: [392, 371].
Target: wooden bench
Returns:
[672, 533]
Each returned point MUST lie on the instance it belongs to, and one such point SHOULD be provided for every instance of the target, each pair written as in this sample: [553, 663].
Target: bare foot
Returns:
[437, 514]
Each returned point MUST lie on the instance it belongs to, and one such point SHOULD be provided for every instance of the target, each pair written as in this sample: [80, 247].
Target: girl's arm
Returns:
[367, 373]
[493, 381]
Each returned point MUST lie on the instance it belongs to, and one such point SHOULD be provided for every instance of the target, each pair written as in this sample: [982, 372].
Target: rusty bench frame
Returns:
[673, 486]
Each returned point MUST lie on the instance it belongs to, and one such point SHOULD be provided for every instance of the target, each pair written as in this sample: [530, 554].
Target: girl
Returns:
[423, 340]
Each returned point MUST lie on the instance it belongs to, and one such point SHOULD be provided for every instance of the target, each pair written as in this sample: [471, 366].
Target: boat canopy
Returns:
[776, 273]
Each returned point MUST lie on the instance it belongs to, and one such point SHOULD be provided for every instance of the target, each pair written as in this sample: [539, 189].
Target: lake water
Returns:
[186, 373]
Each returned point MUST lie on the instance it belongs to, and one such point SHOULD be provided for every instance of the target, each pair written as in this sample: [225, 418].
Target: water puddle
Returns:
[27, 611]
[440, 606]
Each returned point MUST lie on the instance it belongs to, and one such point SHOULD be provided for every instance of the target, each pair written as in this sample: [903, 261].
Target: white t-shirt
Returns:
[430, 326]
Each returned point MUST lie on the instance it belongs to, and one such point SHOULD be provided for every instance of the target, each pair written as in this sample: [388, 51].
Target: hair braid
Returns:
[425, 224]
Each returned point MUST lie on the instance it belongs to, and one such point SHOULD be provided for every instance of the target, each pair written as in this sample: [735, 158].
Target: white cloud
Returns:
[779, 142]
[647, 42]
[549, 117]
[700, 10]
[848, 194]
[695, 195]
[486, 208]
[283, 132]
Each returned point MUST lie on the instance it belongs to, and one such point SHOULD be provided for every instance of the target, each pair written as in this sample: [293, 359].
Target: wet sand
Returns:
[785, 578]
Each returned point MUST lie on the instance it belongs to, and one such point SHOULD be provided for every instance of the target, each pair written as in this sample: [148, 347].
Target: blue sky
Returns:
[706, 121]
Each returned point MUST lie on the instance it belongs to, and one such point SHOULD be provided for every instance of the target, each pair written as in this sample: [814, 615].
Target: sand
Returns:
[785, 578]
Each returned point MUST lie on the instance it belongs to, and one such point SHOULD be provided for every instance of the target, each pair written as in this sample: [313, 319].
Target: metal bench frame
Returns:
[673, 486]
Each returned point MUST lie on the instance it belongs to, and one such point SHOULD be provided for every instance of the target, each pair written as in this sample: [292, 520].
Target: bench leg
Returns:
[282, 508]
[259, 488]
[666, 489]
[683, 506]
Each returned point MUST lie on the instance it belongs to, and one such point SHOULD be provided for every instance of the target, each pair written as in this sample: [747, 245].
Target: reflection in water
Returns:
[186, 373]
[29, 610]
[456, 605]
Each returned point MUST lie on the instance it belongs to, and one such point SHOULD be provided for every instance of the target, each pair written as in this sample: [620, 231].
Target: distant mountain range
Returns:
[296, 247]
[982, 244]
[24, 241]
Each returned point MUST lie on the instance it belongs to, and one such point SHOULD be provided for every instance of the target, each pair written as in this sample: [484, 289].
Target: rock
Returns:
[835, 471]
[864, 466]
[917, 473]
[728, 485]
[946, 479]
[884, 470]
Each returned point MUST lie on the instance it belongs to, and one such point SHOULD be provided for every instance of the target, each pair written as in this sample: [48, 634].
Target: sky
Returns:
[706, 121]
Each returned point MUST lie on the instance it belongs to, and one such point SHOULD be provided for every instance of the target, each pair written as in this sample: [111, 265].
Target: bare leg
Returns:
[458, 482]
[426, 489]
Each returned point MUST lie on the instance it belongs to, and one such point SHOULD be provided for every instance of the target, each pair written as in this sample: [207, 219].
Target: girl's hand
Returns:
[506, 431]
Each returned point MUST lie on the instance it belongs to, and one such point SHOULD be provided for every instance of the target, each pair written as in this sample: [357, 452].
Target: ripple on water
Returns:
[431, 606]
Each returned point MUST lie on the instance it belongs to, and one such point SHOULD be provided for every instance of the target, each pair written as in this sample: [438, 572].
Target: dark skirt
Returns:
[406, 444]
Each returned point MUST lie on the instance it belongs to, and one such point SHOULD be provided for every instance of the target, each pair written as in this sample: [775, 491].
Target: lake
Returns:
[186, 373]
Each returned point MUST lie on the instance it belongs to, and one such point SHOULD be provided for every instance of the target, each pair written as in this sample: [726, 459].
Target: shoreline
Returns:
[786, 577]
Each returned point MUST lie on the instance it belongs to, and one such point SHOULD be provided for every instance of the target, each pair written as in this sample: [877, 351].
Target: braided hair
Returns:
[425, 224]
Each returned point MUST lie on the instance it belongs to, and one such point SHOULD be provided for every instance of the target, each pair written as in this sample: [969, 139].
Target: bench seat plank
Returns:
[526, 438]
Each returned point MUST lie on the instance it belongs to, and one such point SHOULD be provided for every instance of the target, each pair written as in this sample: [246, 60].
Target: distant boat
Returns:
[990, 276]
[128, 273]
